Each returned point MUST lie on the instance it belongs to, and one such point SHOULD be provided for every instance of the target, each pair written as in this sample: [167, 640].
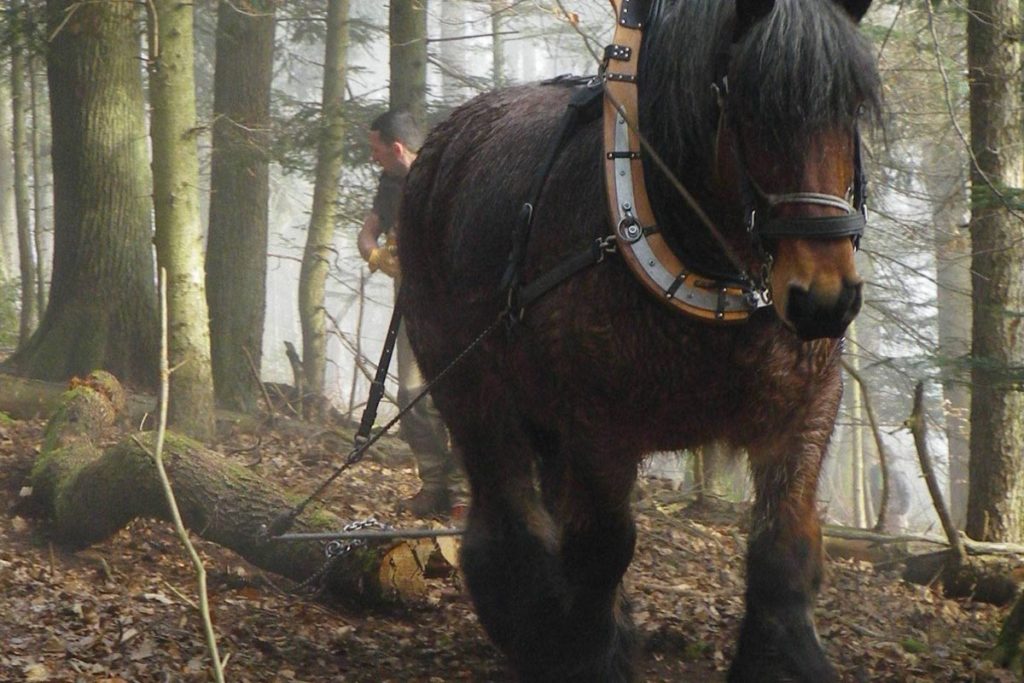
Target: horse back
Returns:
[465, 192]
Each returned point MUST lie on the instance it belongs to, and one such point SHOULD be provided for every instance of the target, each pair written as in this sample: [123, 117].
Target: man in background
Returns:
[395, 140]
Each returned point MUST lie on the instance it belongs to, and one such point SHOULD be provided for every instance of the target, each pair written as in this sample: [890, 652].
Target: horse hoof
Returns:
[781, 644]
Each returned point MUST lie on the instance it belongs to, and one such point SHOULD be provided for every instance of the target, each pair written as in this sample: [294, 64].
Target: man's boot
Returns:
[432, 498]
[427, 503]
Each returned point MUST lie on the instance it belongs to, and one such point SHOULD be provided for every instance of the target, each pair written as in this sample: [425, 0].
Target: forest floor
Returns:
[122, 610]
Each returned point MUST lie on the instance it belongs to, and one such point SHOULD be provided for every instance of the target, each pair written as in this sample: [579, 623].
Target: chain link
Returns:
[336, 549]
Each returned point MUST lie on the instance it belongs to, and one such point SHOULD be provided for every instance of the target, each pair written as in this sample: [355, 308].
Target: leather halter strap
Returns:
[644, 249]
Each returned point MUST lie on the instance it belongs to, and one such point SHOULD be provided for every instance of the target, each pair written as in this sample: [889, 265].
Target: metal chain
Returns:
[334, 551]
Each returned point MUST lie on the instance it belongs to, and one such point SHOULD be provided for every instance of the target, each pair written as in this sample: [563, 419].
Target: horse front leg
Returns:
[778, 640]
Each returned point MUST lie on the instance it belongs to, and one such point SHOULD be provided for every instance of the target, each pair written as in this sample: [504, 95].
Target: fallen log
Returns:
[992, 579]
[994, 574]
[90, 491]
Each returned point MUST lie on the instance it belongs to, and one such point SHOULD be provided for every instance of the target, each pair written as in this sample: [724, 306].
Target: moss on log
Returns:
[90, 491]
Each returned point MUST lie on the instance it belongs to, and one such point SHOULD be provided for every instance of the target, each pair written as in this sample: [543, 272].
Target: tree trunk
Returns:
[38, 178]
[19, 109]
[407, 28]
[497, 43]
[995, 508]
[102, 304]
[179, 234]
[453, 53]
[857, 478]
[717, 470]
[316, 258]
[236, 256]
[946, 185]
[8, 221]
[89, 493]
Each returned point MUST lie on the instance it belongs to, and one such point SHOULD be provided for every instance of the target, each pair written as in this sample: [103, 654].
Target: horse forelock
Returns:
[803, 68]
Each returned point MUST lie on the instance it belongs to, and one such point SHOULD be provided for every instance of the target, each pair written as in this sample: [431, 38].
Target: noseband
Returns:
[854, 205]
[642, 246]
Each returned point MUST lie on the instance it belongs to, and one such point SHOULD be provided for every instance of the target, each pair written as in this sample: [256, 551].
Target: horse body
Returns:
[554, 415]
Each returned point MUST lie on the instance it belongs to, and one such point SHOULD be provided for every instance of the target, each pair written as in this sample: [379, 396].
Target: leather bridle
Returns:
[639, 240]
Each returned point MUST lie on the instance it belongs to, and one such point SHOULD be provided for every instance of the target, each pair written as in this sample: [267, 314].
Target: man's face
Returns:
[387, 155]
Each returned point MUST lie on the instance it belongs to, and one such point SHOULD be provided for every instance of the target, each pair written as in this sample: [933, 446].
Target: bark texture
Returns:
[996, 504]
[407, 27]
[236, 257]
[102, 304]
[19, 109]
[179, 235]
[8, 223]
[89, 492]
[38, 183]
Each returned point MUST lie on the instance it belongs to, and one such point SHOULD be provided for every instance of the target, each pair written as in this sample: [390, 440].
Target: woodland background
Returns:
[232, 137]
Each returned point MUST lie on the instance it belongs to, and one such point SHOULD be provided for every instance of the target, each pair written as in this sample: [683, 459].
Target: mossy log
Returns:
[992, 579]
[90, 491]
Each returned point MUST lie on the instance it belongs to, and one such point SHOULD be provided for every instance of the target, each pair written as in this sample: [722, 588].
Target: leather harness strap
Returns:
[644, 249]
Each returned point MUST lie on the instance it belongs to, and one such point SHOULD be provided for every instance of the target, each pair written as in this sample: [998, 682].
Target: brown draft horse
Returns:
[554, 415]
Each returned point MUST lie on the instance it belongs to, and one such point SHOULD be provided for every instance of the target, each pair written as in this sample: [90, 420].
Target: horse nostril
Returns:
[813, 318]
[850, 300]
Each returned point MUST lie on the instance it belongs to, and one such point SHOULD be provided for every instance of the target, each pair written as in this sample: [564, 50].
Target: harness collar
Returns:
[640, 242]
[644, 249]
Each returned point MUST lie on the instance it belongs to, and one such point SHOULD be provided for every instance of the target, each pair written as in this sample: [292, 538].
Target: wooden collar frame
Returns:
[642, 246]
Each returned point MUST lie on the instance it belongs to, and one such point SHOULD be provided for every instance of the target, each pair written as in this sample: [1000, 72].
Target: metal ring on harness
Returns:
[629, 229]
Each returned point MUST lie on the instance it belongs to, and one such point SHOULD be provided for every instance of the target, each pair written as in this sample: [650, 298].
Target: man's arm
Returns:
[368, 235]
[376, 257]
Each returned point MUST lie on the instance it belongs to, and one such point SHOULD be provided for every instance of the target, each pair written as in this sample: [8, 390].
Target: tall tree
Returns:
[946, 184]
[38, 183]
[407, 28]
[453, 53]
[102, 305]
[236, 256]
[179, 233]
[857, 420]
[8, 222]
[498, 9]
[19, 108]
[316, 257]
[995, 509]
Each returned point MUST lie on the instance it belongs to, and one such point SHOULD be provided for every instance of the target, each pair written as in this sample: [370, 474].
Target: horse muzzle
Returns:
[814, 314]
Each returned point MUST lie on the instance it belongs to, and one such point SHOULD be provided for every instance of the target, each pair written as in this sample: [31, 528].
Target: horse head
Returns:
[793, 87]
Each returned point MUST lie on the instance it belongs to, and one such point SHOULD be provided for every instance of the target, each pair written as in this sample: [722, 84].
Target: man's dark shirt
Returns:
[387, 199]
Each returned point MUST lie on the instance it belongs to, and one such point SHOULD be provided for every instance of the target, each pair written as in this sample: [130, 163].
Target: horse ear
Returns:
[855, 8]
[748, 13]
